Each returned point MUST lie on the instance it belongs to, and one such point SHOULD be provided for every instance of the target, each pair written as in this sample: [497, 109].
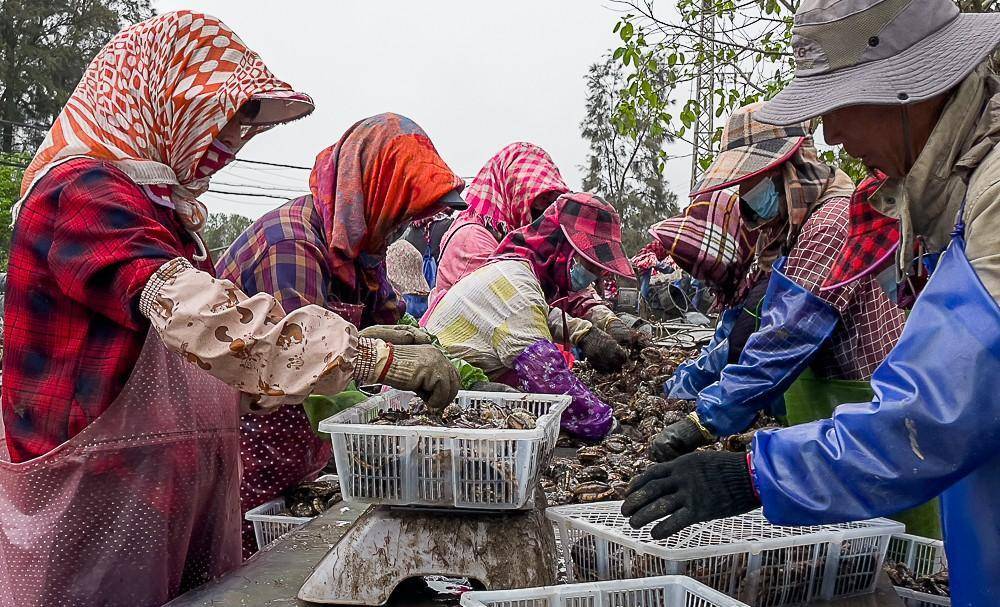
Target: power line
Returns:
[257, 187]
[274, 164]
[247, 194]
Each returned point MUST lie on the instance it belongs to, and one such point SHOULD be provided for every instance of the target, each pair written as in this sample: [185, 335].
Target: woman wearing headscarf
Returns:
[511, 190]
[709, 241]
[817, 347]
[498, 317]
[329, 249]
[126, 360]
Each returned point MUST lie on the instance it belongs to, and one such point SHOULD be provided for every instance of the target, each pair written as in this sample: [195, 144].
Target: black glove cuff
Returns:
[733, 475]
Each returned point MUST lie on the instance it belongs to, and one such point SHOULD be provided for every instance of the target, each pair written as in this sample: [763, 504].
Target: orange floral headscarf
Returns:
[382, 173]
[154, 99]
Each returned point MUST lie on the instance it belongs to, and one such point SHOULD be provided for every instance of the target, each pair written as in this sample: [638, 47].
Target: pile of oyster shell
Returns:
[312, 498]
[478, 416]
[601, 472]
[901, 575]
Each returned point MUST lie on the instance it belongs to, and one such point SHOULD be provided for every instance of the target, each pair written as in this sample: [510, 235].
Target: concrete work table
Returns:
[272, 578]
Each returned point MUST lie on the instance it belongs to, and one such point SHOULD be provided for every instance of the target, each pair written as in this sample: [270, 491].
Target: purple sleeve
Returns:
[542, 369]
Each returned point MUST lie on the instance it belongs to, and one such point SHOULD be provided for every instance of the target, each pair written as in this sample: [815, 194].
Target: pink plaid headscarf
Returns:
[501, 195]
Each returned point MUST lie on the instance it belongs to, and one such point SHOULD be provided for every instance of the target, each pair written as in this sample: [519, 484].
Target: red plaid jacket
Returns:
[86, 241]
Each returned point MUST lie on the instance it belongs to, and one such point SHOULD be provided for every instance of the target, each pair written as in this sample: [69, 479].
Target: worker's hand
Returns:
[425, 370]
[398, 335]
[693, 488]
[676, 440]
[492, 386]
[602, 352]
[626, 336]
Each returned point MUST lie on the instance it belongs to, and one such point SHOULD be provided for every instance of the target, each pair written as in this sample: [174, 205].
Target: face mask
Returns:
[580, 277]
[887, 280]
[763, 199]
[216, 157]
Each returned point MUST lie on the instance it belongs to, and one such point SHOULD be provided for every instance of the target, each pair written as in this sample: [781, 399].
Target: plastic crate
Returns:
[269, 524]
[923, 556]
[444, 467]
[744, 556]
[663, 591]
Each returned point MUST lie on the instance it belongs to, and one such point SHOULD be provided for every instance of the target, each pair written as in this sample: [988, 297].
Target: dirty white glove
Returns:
[420, 368]
[398, 335]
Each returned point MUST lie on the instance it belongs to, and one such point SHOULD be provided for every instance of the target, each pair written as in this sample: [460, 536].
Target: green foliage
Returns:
[221, 229]
[749, 52]
[626, 159]
[10, 190]
[44, 47]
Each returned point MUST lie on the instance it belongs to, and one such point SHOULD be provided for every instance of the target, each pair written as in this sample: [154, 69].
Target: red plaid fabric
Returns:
[710, 242]
[86, 241]
[545, 243]
[594, 229]
[501, 195]
[649, 255]
[871, 241]
[870, 323]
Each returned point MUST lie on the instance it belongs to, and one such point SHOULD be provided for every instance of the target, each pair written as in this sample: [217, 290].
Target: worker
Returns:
[405, 269]
[709, 241]
[825, 342]
[426, 235]
[914, 93]
[126, 361]
[511, 190]
[502, 317]
[328, 249]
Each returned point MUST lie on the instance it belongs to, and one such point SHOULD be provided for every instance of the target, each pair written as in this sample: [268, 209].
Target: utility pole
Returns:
[704, 92]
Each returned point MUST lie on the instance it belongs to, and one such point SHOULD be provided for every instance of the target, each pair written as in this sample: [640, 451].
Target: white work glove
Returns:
[423, 369]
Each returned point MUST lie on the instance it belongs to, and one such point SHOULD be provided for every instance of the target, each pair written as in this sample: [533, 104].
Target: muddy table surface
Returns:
[273, 576]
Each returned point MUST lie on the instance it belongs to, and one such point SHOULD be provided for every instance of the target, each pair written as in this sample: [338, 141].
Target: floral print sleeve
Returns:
[249, 342]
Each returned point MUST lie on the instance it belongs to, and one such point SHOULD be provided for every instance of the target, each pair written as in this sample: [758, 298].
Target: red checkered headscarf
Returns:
[871, 240]
[156, 96]
[501, 195]
[710, 242]
[576, 223]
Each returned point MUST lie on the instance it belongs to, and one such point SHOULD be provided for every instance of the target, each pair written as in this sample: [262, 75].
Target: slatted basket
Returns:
[445, 467]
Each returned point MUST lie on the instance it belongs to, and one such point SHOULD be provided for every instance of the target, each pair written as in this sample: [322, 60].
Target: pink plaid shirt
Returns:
[870, 323]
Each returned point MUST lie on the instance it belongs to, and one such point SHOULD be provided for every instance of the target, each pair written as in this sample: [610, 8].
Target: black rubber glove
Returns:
[602, 352]
[491, 386]
[676, 440]
[693, 488]
[626, 336]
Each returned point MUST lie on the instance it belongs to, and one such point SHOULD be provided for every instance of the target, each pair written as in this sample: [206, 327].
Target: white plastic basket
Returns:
[663, 591]
[444, 467]
[269, 523]
[744, 556]
[923, 556]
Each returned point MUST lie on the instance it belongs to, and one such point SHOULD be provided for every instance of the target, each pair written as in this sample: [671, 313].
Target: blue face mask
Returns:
[763, 199]
[887, 280]
[580, 277]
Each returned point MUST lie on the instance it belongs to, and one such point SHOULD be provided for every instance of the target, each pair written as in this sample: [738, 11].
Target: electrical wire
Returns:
[273, 164]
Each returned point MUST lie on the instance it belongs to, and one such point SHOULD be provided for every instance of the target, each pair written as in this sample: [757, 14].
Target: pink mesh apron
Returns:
[280, 450]
[139, 507]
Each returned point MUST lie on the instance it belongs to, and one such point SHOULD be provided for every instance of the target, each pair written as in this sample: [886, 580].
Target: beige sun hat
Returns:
[882, 52]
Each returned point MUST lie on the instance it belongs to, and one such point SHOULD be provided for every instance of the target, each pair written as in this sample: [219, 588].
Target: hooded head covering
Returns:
[752, 148]
[155, 98]
[576, 223]
[383, 172]
[710, 242]
[501, 195]
[405, 266]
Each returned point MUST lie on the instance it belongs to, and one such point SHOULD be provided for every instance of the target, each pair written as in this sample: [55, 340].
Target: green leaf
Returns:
[618, 53]
[627, 31]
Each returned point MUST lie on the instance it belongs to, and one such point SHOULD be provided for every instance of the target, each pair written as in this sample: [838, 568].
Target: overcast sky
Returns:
[475, 75]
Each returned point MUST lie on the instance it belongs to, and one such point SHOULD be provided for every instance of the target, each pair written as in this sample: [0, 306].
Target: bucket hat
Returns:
[880, 52]
[594, 229]
[749, 147]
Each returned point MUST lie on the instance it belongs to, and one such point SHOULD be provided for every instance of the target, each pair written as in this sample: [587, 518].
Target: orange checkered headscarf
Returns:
[155, 98]
[383, 173]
